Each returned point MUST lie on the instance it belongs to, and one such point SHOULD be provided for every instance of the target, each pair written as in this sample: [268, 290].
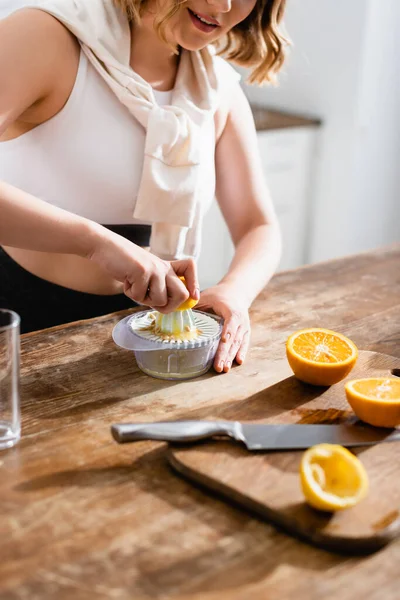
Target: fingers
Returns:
[157, 296]
[164, 294]
[231, 340]
[137, 290]
[233, 350]
[177, 293]
[230, 328]
[228, 351]
[159, 285]
[244, 347]
[235, 340]
[188, 269]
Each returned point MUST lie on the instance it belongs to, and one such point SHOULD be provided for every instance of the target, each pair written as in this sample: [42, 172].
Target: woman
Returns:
[123, 100]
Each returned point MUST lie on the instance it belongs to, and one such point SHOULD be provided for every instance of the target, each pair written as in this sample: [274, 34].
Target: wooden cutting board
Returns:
[267, 484]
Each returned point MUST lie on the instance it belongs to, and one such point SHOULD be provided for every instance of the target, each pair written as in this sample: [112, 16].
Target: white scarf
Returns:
[169, 195]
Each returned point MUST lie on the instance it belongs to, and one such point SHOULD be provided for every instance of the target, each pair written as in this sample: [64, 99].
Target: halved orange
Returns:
[332, 478]
[375, 400]
[320, 356]
[189, 303]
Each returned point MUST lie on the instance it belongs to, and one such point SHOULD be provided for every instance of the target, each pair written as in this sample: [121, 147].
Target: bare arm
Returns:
[29, 223]
[246, 205]
[38, 63]
[33, 47]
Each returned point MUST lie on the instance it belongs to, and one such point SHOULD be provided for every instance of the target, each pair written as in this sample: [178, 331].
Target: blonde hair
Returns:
[257, 42]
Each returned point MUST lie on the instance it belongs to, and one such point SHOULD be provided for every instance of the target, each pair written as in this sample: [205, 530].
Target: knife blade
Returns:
[256, 436]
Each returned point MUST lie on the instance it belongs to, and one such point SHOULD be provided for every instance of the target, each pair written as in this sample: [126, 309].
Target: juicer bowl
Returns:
[177, 364]
[168, 360]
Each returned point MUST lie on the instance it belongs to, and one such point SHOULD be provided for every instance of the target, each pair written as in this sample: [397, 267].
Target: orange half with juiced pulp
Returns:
[332, 478]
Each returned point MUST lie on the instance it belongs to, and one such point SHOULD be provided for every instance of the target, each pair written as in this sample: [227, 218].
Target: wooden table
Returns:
[82, 517]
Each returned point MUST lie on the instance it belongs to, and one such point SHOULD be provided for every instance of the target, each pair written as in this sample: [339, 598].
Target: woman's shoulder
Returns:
[39, 59]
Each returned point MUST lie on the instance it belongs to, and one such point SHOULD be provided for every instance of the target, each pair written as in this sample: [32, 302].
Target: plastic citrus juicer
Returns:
[180, 345]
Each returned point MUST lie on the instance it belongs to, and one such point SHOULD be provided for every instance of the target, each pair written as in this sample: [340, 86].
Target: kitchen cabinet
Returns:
[287, 146]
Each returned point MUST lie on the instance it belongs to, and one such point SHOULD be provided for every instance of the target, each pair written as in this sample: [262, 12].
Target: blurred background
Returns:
[328, 134]
[335, 175]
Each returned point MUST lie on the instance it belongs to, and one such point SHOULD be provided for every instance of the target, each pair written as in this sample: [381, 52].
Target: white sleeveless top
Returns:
[87, 159]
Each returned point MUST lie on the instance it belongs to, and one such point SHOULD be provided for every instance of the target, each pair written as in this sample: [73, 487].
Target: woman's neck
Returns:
[151, 58]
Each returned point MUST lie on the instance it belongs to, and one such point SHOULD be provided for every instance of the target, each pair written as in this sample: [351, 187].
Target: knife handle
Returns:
[178, 431]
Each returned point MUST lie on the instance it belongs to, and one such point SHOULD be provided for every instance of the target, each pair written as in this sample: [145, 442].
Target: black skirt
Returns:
[42, 304]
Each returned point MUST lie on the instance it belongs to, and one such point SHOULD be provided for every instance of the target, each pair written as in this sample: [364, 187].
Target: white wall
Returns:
[8, 6]
[377, 164]
[342, 68]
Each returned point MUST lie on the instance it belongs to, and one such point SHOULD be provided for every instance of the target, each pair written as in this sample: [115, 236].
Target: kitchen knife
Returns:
[256, 436]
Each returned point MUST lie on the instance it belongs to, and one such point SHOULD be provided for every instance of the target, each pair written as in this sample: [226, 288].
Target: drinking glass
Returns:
[10, 419]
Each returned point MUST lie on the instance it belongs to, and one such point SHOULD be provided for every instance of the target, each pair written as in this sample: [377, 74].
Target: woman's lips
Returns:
[200, 24]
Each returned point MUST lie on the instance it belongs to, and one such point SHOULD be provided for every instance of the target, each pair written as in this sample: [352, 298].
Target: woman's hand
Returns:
[147, 279]
[235, 339]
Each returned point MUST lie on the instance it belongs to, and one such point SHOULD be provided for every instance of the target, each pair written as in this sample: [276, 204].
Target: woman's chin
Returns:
[191, 44]
[193, 47]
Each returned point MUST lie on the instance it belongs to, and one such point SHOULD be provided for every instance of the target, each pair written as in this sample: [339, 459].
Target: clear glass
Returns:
[177, 364]
[10, 418]
[185, 363]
